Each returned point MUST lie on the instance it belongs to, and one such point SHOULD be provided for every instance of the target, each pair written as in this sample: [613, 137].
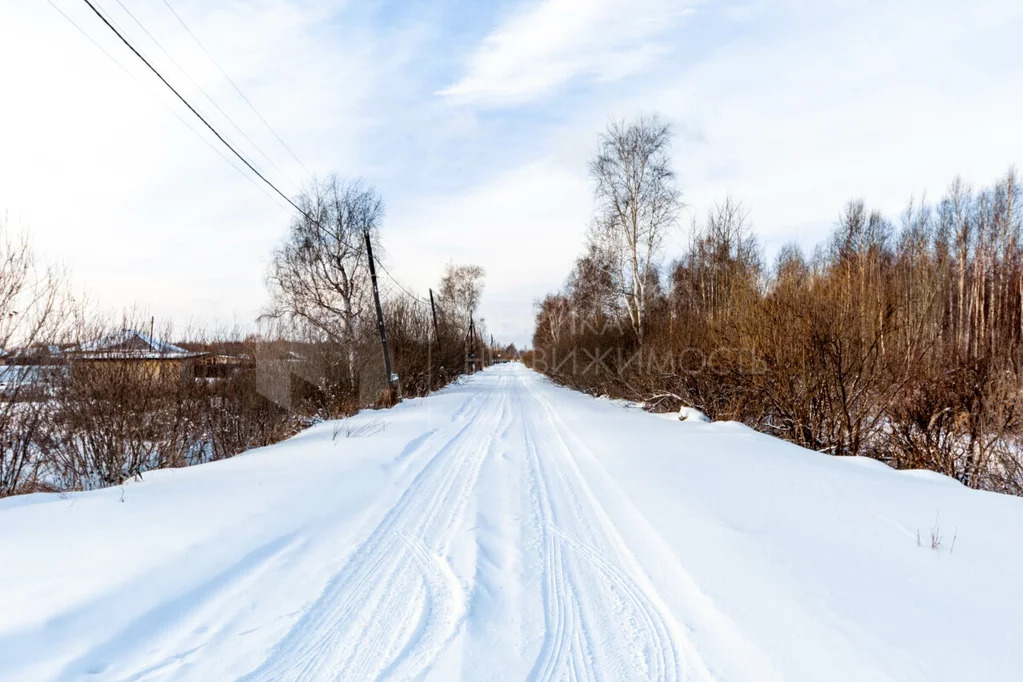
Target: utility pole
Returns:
[433, 309]
[472, 344]
[380, 319]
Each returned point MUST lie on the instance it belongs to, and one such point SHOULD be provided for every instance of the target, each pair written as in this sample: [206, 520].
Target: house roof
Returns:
[130, 343]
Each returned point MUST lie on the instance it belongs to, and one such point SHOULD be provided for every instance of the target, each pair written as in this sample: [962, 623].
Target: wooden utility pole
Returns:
[433, 309]
[472, 344]
[380, 319]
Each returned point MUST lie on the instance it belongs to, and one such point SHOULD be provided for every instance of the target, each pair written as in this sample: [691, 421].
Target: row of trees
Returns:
[895, 340]
[320, 288]
[69, 422]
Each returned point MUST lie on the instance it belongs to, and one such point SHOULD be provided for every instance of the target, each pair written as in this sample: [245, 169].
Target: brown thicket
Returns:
[898, 341]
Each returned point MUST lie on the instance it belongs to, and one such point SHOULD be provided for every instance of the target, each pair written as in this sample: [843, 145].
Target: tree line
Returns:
[72, 420]
[893, 339]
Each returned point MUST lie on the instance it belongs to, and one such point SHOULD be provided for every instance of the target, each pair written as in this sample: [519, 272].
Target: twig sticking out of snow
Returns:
[936, 537]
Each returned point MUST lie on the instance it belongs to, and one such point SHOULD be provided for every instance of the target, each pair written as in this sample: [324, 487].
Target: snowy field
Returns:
[506, 528]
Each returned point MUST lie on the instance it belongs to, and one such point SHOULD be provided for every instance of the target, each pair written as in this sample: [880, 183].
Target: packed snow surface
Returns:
[506, 528]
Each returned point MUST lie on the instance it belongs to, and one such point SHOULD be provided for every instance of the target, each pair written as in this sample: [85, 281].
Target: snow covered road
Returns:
[506, 528]
[427, 582]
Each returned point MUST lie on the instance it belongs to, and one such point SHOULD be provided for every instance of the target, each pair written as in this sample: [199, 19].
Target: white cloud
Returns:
[553, 42]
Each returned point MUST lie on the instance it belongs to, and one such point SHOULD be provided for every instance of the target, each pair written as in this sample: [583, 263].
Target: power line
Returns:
[184, 101]
[399, 285]
[235, 86]
[178, 116]
[394, 279]
[203, 91]
[220, 137]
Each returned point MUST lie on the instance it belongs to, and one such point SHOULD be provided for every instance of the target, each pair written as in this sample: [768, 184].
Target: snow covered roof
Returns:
[132, 344]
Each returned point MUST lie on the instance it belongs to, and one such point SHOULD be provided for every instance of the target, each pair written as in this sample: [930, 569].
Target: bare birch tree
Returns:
[319, 276]
[637, 203]
[462, 288]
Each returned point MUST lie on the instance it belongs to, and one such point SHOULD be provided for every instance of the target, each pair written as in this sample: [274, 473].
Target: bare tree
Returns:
[723, 258]
[591, 285]
[637, 203]
[551, 320]
[319, 276]
[33, 308]
[462, 288]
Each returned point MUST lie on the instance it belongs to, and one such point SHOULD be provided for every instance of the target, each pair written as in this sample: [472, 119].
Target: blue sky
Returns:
[476, 120]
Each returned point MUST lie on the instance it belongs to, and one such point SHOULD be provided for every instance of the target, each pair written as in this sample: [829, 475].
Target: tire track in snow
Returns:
[396, 603]
[601, 622]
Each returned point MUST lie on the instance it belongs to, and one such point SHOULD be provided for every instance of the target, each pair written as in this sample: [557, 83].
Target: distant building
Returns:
[31, 372]
[130, 347]
[129, 344]
[221, 366]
